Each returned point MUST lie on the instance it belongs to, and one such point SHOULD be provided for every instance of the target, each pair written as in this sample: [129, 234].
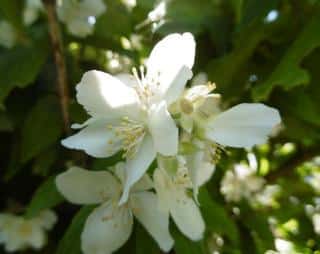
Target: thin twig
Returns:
[57, 46]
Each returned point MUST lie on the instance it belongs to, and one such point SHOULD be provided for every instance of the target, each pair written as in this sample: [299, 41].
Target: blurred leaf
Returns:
[44, 161]
[216, 217]
[42, 128]
[5, 123]
[70, 243]
[12, 11]
[20, 66]
[288, 73]
[183, 245]
[144, 242]
[45, 197]
[256, 9]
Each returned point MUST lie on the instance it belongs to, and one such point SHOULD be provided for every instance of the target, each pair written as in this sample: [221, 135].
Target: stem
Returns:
[57, 47]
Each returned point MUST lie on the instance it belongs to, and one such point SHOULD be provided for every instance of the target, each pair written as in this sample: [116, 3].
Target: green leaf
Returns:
[216, 217]
[41, 129]
[5, 123]
[71, 243]
[45, 197]
[149, 246]
[289, 74]
[20, 66]
[183, 245]
[12, 11]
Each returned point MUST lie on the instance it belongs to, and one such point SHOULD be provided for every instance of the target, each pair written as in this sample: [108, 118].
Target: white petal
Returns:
[175, 49]
[244, 125]
[186, 215]
[95, 139]
[177, 84]
[80, 186]
[163, 130]
[137, 166]
[162, 185]
[145, 183]
[171, 59]
[106, 96]
[156, 222]
[106, 230]
[47, 219]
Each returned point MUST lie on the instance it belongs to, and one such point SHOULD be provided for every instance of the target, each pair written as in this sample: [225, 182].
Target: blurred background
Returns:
[265, 200]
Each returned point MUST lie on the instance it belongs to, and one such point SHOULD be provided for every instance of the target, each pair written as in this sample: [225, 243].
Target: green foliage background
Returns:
[249, 59]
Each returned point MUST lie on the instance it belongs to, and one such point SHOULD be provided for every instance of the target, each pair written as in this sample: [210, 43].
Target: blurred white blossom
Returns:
[8, 35]
[109, 225]
[316, 223]
[31, 11]
[241, 182]
[18, 233]
[80, 15]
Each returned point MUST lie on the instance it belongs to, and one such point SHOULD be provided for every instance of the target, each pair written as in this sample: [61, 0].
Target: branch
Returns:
[288, 167]
[57, 47]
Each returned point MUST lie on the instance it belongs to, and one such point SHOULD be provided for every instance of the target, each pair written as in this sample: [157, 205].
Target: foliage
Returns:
[251, 58]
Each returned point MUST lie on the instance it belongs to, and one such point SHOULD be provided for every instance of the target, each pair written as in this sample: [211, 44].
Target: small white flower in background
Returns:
[130, 113]
[316, 223]
[267, 195]
[18, 233]
[80, 15]
[241, 182]
[8, 36]
[156, 17]
[130, 4]
[31, 11]
[173, 197]
[109, 226]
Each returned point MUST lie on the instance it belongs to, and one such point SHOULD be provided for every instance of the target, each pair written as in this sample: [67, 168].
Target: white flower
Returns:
[8, 35]
[129, 113]
[31, 11]
[266, 197]
[240, 183]
[18, 233]
[109, 226]
[244, 125]
[80, 16]
[173, 198]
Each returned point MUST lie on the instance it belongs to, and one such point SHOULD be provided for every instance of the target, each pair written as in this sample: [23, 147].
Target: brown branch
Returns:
[287, 168]
[57, 47]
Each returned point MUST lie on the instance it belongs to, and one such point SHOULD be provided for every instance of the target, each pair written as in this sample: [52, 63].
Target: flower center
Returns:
[131, 133]
[147, 88]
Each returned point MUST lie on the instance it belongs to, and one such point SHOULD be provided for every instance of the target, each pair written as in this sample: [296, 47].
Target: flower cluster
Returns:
[18, 233]
[243, 182]
[153, 119]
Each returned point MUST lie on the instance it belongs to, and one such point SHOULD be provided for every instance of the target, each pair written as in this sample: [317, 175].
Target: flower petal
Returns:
[171, 58]
[163, 130]
[106, 96]
[106, 229]
[156, 222]
[137, 166]
[80, 186]
[244, 125]
[162, 185]
[95, 139]
[177, 84]
[186, 215]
